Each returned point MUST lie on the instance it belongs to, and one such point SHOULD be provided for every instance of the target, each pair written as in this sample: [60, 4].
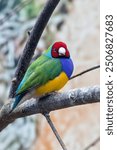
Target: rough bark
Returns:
[50, 103]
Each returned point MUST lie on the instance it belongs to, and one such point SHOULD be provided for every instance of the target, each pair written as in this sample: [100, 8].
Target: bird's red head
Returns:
[59, 49]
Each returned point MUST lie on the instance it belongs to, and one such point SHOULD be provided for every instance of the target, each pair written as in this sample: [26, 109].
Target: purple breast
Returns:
[67, 66]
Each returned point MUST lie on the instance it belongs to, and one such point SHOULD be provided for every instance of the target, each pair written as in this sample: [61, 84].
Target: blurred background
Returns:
[75, 22]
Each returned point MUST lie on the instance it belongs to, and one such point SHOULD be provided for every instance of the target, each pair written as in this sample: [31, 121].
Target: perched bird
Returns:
[48, 73]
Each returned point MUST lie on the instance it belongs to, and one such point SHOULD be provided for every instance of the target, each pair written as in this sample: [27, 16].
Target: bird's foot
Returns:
[48, 94]
[52, 93]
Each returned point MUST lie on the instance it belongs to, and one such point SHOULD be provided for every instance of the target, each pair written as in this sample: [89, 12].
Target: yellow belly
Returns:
[53, 85]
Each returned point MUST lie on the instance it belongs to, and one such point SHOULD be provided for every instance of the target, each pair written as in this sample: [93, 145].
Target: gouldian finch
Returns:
[48, 73]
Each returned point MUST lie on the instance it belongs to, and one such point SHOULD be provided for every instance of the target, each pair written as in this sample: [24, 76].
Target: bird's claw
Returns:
[48, 94]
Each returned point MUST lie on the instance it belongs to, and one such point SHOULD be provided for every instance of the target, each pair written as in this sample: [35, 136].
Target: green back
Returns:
[39, 72]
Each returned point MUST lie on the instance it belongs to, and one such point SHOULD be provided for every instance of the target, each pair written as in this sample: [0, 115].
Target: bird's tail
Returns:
[16, 102]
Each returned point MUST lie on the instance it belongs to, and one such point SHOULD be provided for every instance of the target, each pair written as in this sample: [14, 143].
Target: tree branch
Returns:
[93, 143]
[85, 71]
[31, 44]
[50, 103]
[47, 116]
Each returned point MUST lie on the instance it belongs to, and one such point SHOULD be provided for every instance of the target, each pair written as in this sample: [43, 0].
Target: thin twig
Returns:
[83, 72]
[47, 116]
[93, 143]
[31, 44]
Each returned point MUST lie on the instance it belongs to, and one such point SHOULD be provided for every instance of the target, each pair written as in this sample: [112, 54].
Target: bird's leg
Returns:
[48, 94]
[47, 116]
[55, 92]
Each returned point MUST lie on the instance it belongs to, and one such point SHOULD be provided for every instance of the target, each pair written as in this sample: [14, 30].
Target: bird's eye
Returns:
[54, 50]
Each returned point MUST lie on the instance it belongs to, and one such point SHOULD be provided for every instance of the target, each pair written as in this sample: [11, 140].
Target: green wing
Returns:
[38, 62]
[40, 72]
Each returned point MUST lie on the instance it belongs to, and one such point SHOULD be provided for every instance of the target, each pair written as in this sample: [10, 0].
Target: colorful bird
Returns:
[48, 73]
